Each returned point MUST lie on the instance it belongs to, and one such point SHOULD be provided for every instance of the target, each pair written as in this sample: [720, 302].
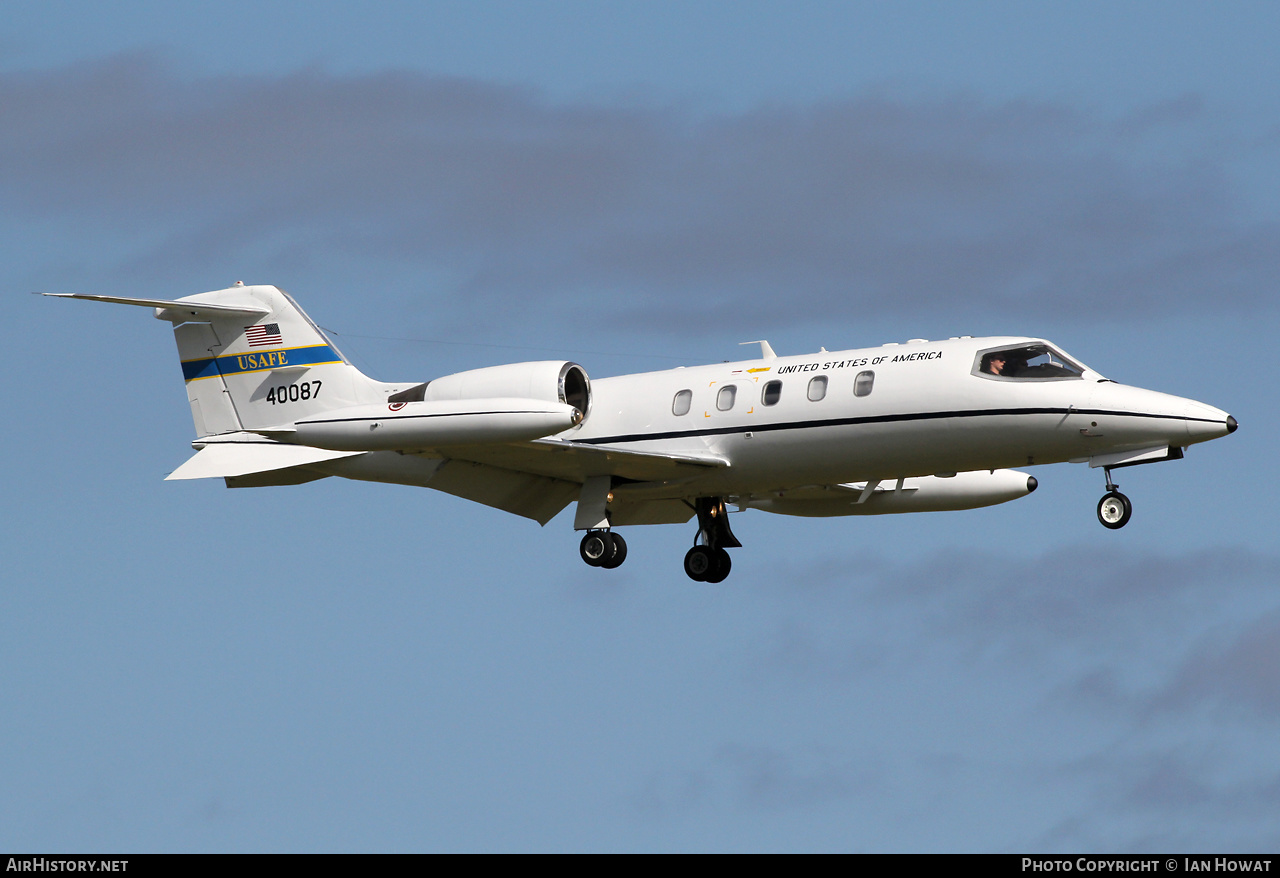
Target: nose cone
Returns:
[1204, 422]
[1158, 418]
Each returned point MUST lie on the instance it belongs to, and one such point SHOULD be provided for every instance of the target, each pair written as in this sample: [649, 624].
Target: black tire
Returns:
[1114, 510]
[699, 562]
[619, 553]
[596, 548]
[720, 569]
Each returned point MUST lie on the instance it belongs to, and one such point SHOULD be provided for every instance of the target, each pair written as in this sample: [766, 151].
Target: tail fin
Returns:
[252, 360]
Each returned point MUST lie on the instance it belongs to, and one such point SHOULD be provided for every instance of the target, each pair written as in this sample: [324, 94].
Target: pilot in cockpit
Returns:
[1036, 361]
[997, 364]
[1006, 364]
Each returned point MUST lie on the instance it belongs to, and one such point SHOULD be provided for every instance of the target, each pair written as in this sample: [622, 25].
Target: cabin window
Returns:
[863, 383]
[1026, 362]
[724, 399]
[817, 388]
[772, 393]
[680, 405]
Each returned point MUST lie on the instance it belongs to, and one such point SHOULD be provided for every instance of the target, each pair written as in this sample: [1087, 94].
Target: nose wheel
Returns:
[1114, 509]
[602, 548]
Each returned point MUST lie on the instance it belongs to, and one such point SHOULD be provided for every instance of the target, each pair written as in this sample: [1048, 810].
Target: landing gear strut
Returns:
[708, 561]
[602, 548]
[1114, 509]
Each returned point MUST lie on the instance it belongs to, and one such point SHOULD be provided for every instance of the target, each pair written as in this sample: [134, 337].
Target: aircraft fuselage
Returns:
[921, 426]
[926, 408]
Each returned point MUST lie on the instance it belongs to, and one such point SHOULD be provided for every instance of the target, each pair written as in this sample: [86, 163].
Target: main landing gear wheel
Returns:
[705, 564]
[721, 567]
[708, 561]
[1114, 510]
[698, 562]
[600, 548]
[619, 551]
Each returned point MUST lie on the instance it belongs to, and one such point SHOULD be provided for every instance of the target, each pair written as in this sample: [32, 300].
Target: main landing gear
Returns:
[603, 548]
[708, 560]
[1114, 509]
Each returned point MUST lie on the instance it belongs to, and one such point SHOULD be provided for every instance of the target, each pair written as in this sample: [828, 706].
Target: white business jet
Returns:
[914, 427]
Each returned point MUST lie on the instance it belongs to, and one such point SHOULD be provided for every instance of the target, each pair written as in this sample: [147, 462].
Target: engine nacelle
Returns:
[925, 494]
[416, 426]
[548, 380]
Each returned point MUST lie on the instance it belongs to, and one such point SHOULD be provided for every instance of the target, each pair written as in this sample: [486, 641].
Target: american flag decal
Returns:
[261, 336]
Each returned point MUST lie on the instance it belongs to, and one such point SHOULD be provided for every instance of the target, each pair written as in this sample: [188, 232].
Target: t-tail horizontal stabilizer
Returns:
[177, 311]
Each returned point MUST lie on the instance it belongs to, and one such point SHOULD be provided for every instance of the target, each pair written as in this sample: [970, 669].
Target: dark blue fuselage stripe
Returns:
[259, 361]
[874, 419]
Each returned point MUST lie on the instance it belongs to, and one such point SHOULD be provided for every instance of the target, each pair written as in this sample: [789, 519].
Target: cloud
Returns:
[786, 213]
[1239, 668]
[1121, 700]
[1091, 699]
[757, 778]
[1104, 630]
[1153, 795]
[768, 778]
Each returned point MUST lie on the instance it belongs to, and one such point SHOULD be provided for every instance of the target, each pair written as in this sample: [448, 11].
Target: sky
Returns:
[344, 666]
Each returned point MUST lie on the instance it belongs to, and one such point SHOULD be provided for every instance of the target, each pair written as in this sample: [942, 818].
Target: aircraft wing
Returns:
[576, 462]
[533, 479]
[537, 479]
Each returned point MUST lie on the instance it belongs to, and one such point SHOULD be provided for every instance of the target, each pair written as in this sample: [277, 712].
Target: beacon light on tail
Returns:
[915, 427]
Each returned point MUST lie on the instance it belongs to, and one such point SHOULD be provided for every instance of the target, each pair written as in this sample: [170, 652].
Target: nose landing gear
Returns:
[1114, 509]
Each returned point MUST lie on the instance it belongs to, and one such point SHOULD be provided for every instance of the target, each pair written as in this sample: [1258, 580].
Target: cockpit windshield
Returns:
[1026, 362]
